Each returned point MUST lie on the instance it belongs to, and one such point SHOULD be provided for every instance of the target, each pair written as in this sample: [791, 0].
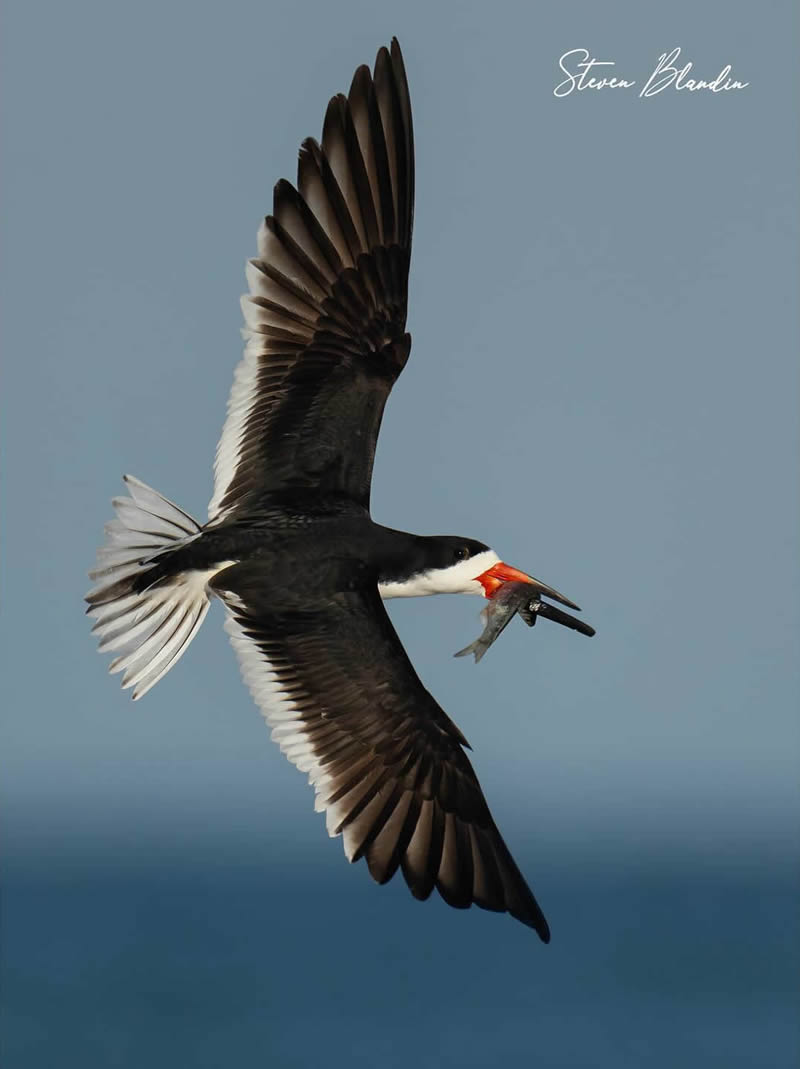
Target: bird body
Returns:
[290, 547]
[336, 541]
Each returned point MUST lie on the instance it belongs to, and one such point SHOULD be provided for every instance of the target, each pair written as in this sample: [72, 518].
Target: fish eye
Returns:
[462, 553]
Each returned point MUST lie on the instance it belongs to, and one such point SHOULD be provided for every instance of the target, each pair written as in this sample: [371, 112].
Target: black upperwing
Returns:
[330, 675]
[326, 311]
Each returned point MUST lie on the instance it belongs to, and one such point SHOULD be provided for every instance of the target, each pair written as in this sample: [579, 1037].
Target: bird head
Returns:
[450, 564]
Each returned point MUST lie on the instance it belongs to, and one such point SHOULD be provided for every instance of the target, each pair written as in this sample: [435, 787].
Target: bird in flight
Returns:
[290, 548]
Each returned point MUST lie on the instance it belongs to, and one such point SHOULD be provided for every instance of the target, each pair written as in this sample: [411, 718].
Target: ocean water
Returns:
[147, 958]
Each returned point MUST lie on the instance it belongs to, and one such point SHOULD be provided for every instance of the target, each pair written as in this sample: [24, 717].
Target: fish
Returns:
[503, 607]
[513, 598]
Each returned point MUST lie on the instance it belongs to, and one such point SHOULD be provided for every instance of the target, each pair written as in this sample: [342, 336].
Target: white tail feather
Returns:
[150, 629]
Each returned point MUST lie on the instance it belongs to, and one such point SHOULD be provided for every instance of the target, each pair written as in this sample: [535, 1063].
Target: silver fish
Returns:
[510, 599]
[522, 598]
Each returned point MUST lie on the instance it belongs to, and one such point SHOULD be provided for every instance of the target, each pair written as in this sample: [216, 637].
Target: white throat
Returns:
[458, 578]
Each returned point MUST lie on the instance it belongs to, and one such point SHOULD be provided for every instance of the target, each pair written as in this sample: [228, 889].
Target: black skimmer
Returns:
[289, 546]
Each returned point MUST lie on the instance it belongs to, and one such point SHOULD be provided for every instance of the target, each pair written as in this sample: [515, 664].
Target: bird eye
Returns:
[462, 553]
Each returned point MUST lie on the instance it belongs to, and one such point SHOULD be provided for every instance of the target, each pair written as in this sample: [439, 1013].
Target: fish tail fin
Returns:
[477, 647]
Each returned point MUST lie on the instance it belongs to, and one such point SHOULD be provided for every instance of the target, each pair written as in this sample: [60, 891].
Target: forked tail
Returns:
[145, 610]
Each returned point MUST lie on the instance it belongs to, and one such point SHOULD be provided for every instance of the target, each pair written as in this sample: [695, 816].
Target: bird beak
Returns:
[492, 579]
